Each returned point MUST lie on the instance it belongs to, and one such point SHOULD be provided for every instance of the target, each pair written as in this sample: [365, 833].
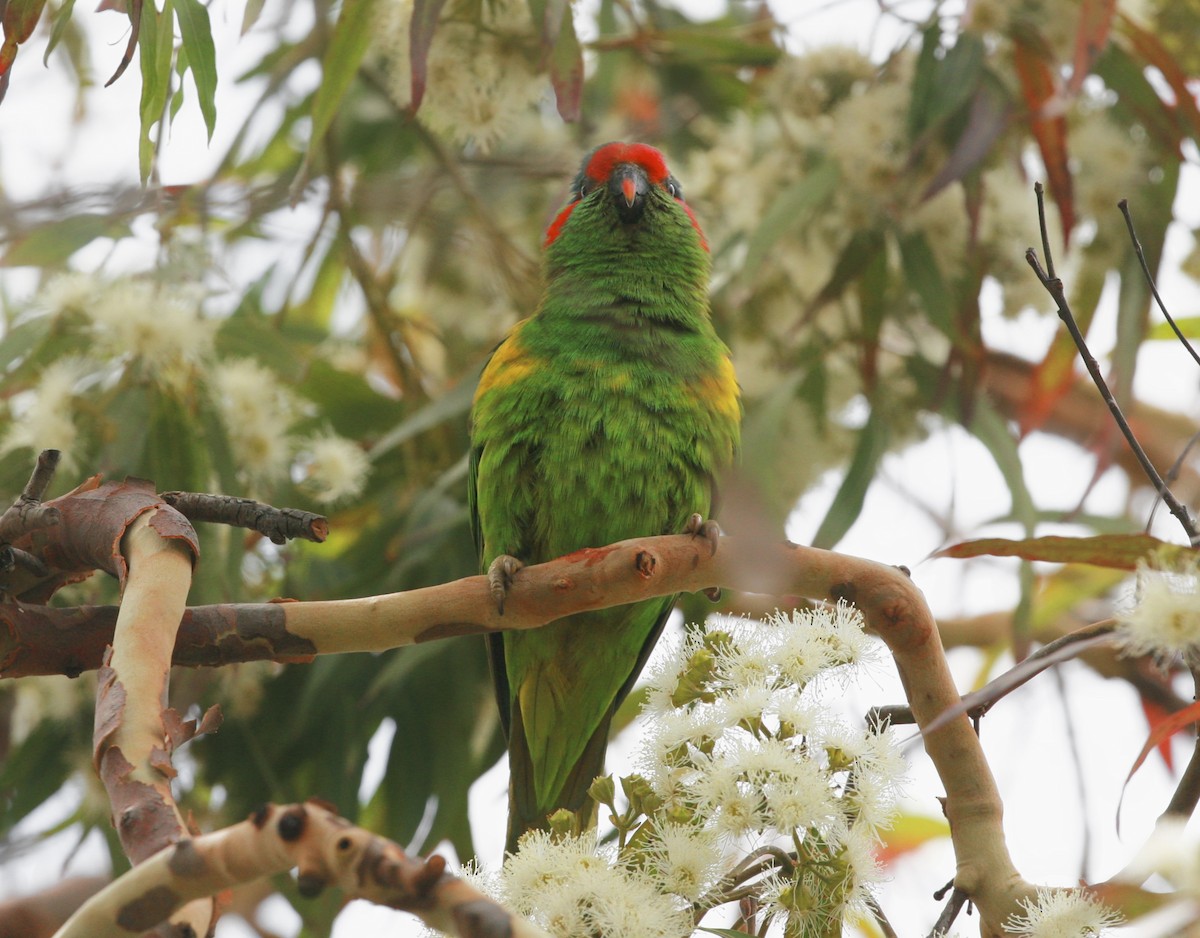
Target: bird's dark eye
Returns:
[674, 188]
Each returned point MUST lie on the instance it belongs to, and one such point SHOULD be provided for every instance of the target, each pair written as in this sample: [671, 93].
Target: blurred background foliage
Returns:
[316, 313]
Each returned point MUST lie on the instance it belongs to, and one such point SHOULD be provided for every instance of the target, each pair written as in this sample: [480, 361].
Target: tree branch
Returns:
[328, 850]
[657, 566]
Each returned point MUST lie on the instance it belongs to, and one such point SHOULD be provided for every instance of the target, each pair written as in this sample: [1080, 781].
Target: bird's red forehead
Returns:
[611, 155]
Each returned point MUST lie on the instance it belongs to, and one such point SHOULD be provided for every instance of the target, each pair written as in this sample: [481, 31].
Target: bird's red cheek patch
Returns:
[556, 226]
[695, 224]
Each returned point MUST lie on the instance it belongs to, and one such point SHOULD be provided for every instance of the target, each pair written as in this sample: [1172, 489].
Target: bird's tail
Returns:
[528, 812]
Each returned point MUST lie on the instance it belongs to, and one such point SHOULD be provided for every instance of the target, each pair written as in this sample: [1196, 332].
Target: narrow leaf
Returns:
[62, 19]
[135, 35]
[924, 277]
[424, 23]
[1163, 731]
[195, 31]
[1119, 551]
[1095, 21]
[1156, 715]
[848, 502]
[987, 120]
[789, 210]
[1048, 129]
[51, 245]
[157, 45]
[20, 18]
[566, 68]
[1154, 53]
[347, 47]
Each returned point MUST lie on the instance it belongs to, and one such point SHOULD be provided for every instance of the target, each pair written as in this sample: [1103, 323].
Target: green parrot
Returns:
[603, 416]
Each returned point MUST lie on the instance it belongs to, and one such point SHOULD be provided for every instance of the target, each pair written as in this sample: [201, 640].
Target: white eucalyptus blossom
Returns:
[1164, 616]
[332, 467]
[257, 410]
[161, 327]
[44, 416]
[571, 886]
[1061, 913]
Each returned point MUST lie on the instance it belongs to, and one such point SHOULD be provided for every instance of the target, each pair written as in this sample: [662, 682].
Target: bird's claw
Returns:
[500, 577]
[697, 526]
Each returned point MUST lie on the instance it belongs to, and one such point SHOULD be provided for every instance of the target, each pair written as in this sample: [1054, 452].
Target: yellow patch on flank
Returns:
[508, 364]
[719, 390]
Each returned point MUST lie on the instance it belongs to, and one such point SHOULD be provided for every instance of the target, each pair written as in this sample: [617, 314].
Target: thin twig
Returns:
[881, 919]
[954, 905]
[1054, 287]
[1123, 205]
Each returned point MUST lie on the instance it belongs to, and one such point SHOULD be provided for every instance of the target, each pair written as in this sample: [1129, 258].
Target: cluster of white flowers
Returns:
[332, 467]
[1163, 618]
[1062, 913]
[739, 755]
[44, 416]
[480, 76]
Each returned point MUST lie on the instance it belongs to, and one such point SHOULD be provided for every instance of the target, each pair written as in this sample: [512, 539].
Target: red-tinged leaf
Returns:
[135, 28]
[1048, 126]
[8, 52]
[1156, 715]
[1163, 731]
[20, 18]
[1120, 551]
[566, 68]
[425, 17]
[1095, 23]
[907, 833]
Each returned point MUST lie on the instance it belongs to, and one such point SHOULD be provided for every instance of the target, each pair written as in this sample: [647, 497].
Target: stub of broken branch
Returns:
[327, 850]
[280, 525]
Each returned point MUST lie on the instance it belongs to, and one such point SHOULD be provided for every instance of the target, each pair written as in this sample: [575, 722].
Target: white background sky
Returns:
[40, 143]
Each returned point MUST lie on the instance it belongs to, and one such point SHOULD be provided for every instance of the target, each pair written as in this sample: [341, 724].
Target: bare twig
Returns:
[1054, 287]
[1123, 205]
[881, 919]
[954, 905]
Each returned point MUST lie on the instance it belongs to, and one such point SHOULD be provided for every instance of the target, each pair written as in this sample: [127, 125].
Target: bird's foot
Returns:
[500, 578]
[698, 526]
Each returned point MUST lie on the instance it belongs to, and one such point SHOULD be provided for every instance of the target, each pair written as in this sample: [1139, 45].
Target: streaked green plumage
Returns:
[603, 416]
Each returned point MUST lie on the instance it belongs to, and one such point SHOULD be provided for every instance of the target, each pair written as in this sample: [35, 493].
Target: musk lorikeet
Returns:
[603, 416]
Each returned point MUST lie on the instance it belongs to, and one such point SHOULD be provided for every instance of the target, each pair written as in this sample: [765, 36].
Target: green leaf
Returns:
[725, 932]
[1117, 551]
[451, 405]
[848, 502]
[1190, 327]
[51, 245]
[789, 210]
[62, 19]
[351, 38]
[195, 31]
[156, 44]
[923, 275]
[924, 78]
